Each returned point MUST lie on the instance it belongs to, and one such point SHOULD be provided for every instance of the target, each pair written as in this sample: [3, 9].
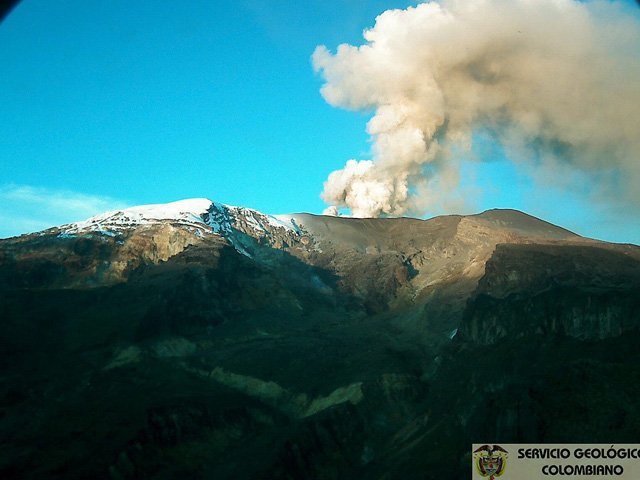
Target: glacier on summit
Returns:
[200, 214]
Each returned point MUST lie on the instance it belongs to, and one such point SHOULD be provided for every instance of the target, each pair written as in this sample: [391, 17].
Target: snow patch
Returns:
[285, 221]
[201, 216]
[189, 212]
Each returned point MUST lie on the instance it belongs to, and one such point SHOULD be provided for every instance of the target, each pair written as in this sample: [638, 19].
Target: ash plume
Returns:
[555, 82]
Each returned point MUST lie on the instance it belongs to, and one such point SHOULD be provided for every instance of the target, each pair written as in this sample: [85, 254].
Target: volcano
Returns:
[200, 340]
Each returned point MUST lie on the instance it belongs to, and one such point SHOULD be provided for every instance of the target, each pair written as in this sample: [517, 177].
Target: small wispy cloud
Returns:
[25, 208]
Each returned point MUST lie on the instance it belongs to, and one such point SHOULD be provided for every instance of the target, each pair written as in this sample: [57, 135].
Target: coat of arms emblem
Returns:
[490, 460]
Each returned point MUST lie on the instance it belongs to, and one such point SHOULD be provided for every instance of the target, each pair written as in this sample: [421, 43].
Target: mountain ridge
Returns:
[192, 210]
[304, 346]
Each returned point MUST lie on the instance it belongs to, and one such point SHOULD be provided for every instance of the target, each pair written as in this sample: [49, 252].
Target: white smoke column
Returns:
[557, 82]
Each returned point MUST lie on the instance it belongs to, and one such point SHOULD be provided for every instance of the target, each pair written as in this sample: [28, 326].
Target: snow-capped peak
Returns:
[200, 215]
[189, 212]
[182, 209]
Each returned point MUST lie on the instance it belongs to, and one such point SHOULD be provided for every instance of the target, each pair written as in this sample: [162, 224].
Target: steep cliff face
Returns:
[585, 292]
[198, 340]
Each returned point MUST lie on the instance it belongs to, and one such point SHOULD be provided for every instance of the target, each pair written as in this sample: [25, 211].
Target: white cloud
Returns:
[25, 209]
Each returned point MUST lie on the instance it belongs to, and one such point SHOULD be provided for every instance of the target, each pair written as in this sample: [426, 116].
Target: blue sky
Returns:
[109, 104]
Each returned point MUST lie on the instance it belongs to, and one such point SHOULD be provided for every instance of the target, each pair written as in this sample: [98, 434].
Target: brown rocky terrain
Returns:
[230, 344]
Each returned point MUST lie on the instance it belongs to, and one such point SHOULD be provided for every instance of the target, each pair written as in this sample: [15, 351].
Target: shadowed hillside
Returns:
[230, 344]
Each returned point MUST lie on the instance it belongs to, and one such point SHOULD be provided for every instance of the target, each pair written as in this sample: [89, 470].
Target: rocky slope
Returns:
[199, 340]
